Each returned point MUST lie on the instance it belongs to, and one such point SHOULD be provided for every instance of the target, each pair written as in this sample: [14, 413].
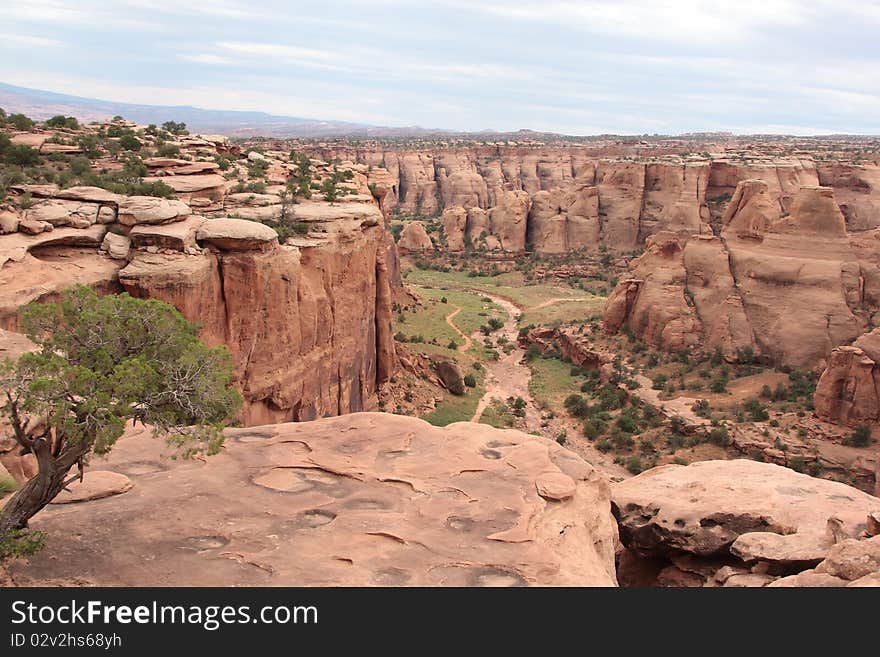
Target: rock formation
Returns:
[637, 197]
[365, 499]
[727, 292]
[333, 282]
[742, 519]
[415, 238]
[849, 389]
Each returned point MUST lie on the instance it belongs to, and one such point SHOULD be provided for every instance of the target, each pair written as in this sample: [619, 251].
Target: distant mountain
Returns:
[41, 105]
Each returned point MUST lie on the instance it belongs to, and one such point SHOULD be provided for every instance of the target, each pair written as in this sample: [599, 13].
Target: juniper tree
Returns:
[101, 361]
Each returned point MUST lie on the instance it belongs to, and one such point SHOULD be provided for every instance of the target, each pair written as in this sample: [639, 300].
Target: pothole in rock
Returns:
[460, 524]
[300, 480]
[206, 542]
[313, 518]
[368, 504]
[495, 577]
[491, 454]
[138, 468]
[391, 577]
[249, 435]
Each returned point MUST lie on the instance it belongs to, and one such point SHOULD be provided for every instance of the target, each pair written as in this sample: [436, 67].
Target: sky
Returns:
[588, 67]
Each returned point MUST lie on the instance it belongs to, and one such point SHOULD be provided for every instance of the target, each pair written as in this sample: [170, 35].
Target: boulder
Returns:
[450, 374]
[415, 238]
[852, 559]
[116, 246]
[847, 391]
[237, 235]
[60, 212]
[808, 578]
[34, 227]
[705, 507]
[191, 184]
[8, 222]
[177, 236]
[95, 485]
[135, 210]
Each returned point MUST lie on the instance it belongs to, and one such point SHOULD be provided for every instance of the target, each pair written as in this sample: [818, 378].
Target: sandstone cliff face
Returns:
[562, 221]
[787, 284]
[325, 357]
[308, 323]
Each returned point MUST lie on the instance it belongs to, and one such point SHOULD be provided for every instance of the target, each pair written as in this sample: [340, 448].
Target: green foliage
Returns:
[17, 154]
[633, 464]
[470, 381]
[719, 384]
[756, 410]
[175, 128]
[80, 165]
[329, 190]
[20, 122]
[860, 437]
[90, 145]
[105, 360]
[168, 150]
[7, 485]
[61, 121]
[129, 142]
[20, 543]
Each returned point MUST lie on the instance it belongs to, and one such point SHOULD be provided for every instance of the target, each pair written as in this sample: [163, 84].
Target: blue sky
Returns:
[584, 67]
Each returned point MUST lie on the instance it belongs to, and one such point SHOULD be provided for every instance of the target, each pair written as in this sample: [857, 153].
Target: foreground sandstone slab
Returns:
[363, 499]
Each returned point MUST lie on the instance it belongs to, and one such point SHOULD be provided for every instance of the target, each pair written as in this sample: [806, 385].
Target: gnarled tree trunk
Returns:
[44, 486]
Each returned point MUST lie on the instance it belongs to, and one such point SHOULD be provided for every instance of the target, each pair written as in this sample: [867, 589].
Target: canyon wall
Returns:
[580, 199]
[308, 322]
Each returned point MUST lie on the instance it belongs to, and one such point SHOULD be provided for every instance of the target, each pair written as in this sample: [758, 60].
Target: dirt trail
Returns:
[507, 376]
[467, 341]
[550, 302]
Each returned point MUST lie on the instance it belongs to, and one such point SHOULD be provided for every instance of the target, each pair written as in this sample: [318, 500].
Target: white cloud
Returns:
[207, 58]
[28, 41]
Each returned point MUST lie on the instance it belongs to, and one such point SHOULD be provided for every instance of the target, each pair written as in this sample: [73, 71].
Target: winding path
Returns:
[467, 341]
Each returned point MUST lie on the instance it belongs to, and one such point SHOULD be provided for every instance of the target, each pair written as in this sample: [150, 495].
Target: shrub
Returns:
[660, 382]
[61, 121]
[7, 485]
[470, 381]
[719, 384]
[20, 122]
[129, 142]
[80, 165]
[594, 427]
[756, 410]
[634, 464]
[168, 150]
[798, 463]
[21, 155]
[701, 407]
[719, 437]
[860, 437]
